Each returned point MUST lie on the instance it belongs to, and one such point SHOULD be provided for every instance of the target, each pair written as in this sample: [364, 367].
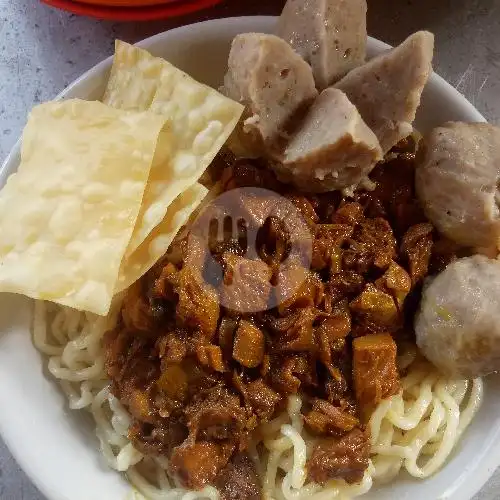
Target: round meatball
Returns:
[457, 182]
[458, 325]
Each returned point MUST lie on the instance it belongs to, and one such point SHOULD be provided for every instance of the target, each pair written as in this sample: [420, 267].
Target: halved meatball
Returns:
[273, 82]
[332, 148]
[387, 89]
[329, 34]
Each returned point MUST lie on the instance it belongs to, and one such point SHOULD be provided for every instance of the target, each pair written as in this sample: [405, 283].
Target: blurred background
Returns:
[42, 50]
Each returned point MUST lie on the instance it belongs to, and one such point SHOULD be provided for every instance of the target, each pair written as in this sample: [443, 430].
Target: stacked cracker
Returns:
[103, 188]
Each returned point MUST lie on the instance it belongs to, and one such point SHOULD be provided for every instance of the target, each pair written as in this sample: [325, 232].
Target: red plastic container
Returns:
[170, 8]
[127, 3]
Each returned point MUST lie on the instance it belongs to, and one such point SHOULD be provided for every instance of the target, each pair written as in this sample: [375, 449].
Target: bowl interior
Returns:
[57, 447]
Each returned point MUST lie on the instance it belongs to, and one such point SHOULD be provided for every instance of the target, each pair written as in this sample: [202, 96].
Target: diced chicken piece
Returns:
[330, 336]
[395, 281]
[211, 356]
[288, 373]
[332, 148]
[376, 306]
[262, 399]
[141, 406]
[272, 81]
[248, 172]
[247, 284]
[217, 417]
[197, 464]
[172, 348]
[345, 458]
[326, 419]
[294, 332]
[174, 382]
[305, 208]
[227, 328]
[336, 233]
[387, 89]
[335, 327]
[198, 305]
[297, 288]
[136, 312]
[164, 284]
[239, 480]
[458, 327]
[375, 372]
[345, 285]
[326, 246]
[329, 34]
[325, 256]
[350, 213]
[331, 333]
[458, 180]
[300, 338]
[249, 345]
[372, 244]
[157, 441]
[416, 248]
[259, 205]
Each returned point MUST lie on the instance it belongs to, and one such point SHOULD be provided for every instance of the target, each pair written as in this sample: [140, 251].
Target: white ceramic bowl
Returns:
[58, 448]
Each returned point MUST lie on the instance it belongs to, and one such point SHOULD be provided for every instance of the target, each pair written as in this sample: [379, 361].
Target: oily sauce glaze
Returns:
[199, 379]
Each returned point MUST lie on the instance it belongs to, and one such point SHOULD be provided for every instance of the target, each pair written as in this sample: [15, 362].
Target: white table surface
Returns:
[42, 50]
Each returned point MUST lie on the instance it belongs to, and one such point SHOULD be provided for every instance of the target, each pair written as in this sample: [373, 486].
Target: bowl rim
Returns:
[487, 458]
[147, 42]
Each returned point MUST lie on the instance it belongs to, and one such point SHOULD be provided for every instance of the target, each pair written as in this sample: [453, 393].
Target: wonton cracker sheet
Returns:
[200, 121]
[158, 241]
[67, 215]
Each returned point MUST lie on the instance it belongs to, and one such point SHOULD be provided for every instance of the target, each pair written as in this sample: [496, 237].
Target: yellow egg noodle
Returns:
[415, 430]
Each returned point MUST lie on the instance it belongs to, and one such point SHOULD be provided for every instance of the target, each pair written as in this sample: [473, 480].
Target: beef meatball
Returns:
[387, 89]
[458, 327]
[329, 35]
[333, 148]
[273, 82]
[457, 182]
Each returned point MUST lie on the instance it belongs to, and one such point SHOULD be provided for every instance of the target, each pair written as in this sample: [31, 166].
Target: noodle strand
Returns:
[415, 430]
